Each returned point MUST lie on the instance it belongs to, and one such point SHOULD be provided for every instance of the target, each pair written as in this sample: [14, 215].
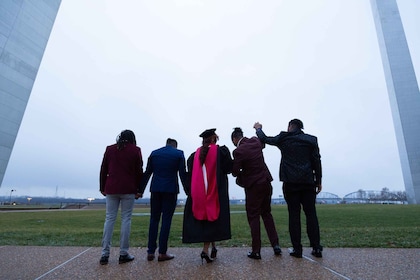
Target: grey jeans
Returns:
[112, 204]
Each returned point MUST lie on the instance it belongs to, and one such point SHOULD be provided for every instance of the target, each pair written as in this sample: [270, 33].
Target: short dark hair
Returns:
[237, 133]
[296, 123]
[172, 142]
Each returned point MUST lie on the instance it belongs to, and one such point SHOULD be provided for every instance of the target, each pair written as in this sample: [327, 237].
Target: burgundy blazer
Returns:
[248, 163]
[121, 170]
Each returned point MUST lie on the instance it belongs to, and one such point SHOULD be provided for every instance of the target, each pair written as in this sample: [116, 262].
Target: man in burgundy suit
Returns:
[253, 175]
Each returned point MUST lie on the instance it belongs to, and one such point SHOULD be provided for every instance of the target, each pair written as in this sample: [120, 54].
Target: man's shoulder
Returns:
[283, 134]
[305, 138]
[309, 137]
[298, 134]
[249, 141]
[159, 150]
[248, 144]
[254, 139]
[167, 150]
[179, 152]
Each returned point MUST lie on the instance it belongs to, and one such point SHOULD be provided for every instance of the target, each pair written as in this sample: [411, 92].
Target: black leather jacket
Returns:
[300, 158]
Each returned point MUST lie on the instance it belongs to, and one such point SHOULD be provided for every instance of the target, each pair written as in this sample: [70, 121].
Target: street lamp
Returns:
[11, 191]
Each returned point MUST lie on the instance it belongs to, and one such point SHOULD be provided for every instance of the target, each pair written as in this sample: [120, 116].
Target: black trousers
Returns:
[296, 196]
[258, 204]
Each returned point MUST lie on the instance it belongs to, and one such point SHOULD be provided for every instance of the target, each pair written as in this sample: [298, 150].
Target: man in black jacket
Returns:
[301, 173]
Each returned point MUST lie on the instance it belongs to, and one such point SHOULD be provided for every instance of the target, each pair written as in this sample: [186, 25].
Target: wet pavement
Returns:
[43, 262]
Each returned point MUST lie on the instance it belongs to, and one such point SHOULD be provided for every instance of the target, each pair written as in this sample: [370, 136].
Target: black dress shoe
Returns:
[125, 258]
[165, 257]
[254, 255]
[317, 252]
[104, 260]
[295, 253]
[277, 250]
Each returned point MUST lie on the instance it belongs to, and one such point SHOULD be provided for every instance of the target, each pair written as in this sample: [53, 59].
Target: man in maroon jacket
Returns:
[253, 175]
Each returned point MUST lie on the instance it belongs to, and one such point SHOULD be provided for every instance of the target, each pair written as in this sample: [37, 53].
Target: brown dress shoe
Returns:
[150, 257]
[165, 257]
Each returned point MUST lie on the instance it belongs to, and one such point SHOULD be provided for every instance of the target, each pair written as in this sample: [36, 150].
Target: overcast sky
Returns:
[175, 68]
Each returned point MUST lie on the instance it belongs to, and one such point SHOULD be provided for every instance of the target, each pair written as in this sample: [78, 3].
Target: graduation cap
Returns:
[208, 132]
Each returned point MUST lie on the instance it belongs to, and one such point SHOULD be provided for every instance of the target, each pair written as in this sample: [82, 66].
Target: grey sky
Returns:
[174, 68]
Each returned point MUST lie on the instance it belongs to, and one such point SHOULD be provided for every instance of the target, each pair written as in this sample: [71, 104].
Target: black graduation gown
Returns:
[196, 231]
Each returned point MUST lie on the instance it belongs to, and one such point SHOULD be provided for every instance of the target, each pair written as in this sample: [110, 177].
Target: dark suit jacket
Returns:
[165, 164]
[121, 170]
[300, 158]
[248, 163]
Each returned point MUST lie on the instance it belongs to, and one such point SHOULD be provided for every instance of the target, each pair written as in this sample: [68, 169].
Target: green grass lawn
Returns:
[355, 225]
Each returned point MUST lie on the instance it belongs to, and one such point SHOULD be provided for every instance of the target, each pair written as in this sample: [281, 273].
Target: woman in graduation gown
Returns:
[207, 213]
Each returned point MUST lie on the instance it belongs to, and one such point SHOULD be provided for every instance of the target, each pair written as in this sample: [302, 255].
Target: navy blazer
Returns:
[248, 163]
[166, 164]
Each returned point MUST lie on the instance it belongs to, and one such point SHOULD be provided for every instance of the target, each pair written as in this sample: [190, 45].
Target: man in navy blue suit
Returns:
[166, 164]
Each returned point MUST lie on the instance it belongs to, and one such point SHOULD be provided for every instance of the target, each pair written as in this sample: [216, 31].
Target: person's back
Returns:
[119, 179]
[121, 169]
[206, 211]
[253, 175]
[249, 160]
[165, 164]
[299, 157]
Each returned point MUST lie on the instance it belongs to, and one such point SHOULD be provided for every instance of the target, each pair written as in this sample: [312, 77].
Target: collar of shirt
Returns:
[237, 145]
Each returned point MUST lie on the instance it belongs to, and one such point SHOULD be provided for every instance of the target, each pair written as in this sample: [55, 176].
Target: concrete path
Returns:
[31, 262]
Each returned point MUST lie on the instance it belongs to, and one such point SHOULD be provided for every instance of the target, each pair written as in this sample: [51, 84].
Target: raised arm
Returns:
[264, 138]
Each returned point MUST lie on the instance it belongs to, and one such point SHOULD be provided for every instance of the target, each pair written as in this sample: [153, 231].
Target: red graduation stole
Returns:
[204, 193]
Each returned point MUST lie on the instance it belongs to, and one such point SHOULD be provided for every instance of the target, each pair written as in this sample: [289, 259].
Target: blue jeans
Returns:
[162, 204]
[112, 204]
